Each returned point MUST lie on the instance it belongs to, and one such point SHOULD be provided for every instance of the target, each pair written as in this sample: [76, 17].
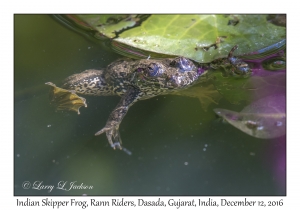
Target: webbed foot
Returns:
[64, 99]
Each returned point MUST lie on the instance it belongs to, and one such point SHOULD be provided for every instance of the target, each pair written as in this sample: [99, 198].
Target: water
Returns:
[177, 148]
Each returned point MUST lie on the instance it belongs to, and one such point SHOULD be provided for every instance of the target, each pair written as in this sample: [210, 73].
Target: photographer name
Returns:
[61, 185]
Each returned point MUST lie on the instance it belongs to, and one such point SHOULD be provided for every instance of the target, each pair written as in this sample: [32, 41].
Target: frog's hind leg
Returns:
[89, 82]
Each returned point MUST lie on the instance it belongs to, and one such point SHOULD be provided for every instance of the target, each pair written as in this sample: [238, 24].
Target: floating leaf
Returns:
[65, 99]
[265, 118]
[109, 25]
[202, 38]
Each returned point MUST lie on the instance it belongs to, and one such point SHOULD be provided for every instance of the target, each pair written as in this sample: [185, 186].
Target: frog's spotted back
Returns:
[88, 82]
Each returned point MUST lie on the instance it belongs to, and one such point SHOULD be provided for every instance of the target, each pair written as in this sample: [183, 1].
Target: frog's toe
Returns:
[113, 136]
[102, 131]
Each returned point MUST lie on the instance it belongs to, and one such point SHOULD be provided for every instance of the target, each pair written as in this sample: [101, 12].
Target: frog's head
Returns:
[168, 73]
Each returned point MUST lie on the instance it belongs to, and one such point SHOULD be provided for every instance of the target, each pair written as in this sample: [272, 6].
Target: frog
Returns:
[135, 80]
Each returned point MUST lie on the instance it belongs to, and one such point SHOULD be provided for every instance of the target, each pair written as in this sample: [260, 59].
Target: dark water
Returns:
[178, 148]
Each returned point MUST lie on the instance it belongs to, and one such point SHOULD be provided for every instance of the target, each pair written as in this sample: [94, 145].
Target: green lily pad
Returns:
[106, 24]
[202, 38]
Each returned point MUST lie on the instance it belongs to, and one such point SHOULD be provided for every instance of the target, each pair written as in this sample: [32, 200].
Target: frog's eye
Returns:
[153, 70]
[185, 64]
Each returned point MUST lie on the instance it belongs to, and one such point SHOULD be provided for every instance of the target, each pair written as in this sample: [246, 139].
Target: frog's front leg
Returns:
[239, 67]
[115, 118]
